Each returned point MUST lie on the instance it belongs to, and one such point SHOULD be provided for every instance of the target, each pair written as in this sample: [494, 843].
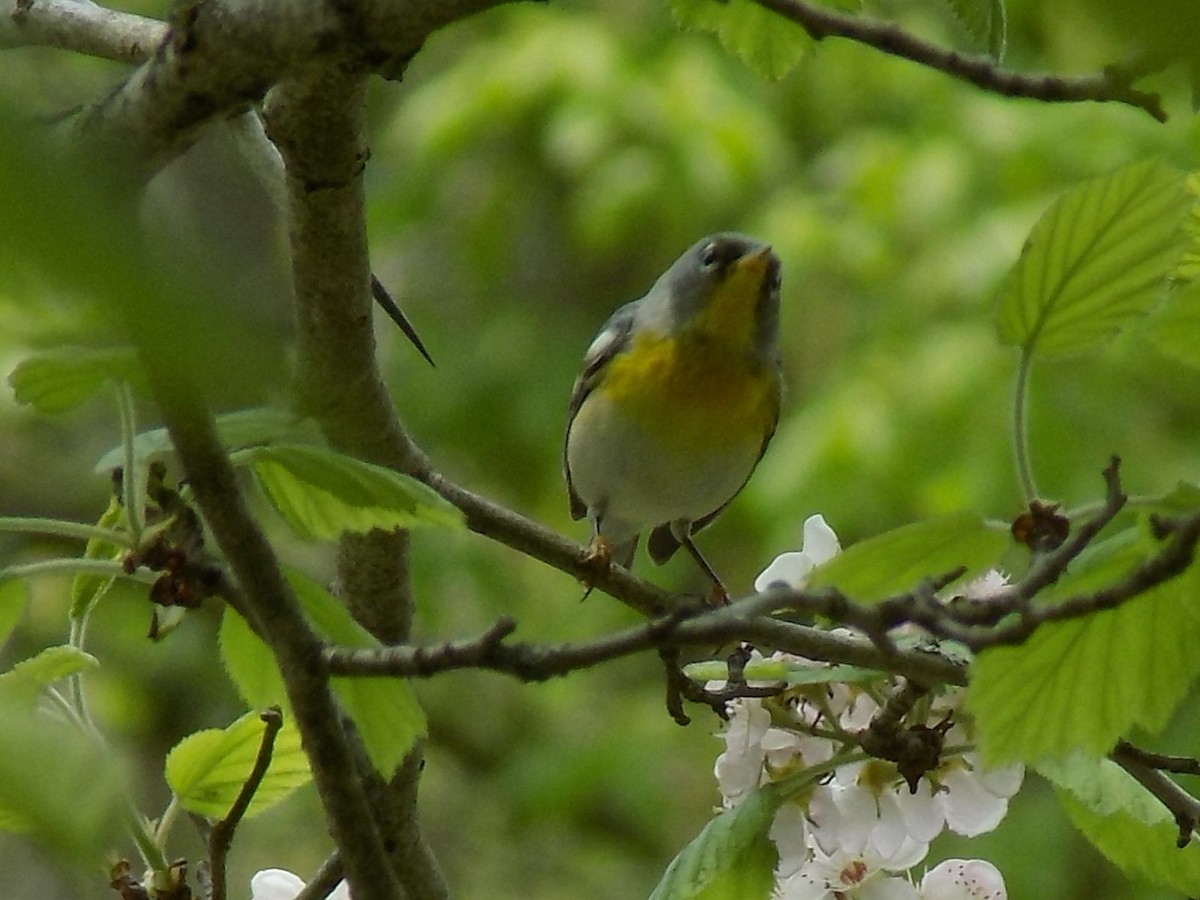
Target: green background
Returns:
[537, 167]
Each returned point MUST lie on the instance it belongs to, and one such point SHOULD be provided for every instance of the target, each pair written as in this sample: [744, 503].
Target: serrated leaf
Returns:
[385, 710]
[59, 380]
[732, 857]
[1124, 822]
[1083, 683]
[241, 428]
[765, 41]
[30, 677]
[1096, 260]
[321, 493]
[14, 597]
[1175, 328]
[249, 663]
[87, 589]
[898, 560]
[986, 23]
[57, 786]
[207, 770]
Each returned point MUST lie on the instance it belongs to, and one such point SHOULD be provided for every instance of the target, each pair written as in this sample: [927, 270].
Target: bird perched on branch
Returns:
[677, 401]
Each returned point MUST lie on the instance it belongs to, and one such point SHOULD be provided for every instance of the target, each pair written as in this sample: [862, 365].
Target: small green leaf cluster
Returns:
[143, 537]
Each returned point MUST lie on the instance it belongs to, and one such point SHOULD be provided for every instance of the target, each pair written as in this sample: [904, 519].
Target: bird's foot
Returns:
[595, 563]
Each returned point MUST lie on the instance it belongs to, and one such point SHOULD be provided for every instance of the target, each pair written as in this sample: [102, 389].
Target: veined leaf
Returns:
[765, 41]
[1082, 683]
[1175, 327]
[207, 770]
[237, 429]
[88, 589]
[897, 560]
[30, 676]
[733, 857]
[14, 597]
[385, 710]
[60, 380]
[321, 493]
[986, 23]
[1124, 822]
[1096, 260]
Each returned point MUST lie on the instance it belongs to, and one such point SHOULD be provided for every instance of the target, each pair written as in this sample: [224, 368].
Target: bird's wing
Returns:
[613, 337]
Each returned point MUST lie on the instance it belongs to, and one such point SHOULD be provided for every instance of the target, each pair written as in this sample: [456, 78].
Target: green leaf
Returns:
[207, 770]
[986, 23]
[1175, 328]
[385, 710]
[731, 859]
[241, 428]
[321, 493]
[28, 678]
[898, 560]
[1131, 828]
[250, 664]
[1082, 683]
[1095, 261]
[791, 671]
[14, 597]
[765, 41]
[57, 786]
[60, 380]
[87, 589]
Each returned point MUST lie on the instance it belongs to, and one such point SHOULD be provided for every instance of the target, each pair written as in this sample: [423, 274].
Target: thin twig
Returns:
[1114, 84]
[221, 836]
[1184, 808]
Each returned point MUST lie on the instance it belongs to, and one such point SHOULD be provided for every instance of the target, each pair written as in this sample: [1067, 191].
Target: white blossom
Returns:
[844, 876]
[280, 884]
[820, 544]
[963, 879]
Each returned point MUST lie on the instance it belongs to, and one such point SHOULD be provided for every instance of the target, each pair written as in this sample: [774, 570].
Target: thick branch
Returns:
[220, 55]
[1112, 85]
[318, 122]
[275, 608]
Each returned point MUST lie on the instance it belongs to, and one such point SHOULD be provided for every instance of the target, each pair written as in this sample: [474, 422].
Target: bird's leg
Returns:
[596, 562]
[718, 596]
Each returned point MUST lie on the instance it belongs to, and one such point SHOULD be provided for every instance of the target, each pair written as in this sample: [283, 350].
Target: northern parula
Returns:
[677, 401]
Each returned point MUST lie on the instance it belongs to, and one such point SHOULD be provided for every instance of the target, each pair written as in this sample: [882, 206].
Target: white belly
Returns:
[633, 481]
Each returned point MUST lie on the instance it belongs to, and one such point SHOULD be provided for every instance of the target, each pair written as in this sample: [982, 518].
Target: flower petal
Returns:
[275, 884]
[963, 879]
[820, 543]
[790, 569]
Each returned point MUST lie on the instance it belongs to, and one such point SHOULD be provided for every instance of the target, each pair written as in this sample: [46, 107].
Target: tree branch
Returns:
[1183, 806]
[1112, 85]
[221, 836]
[275, 608]
[81, 28]
[318, 123]
[742, 620]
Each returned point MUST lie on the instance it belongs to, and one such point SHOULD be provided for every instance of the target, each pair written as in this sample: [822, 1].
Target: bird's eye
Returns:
[710, 256]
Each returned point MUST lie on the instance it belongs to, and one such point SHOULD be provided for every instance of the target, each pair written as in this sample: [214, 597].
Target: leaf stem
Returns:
[75, 566]
[64, 529]
[1021, 428]
[130, 478]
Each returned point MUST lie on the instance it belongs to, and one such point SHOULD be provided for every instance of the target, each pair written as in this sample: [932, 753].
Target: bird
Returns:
[677, 400]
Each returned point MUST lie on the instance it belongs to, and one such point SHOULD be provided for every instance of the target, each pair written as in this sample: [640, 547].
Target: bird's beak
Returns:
[757, 262]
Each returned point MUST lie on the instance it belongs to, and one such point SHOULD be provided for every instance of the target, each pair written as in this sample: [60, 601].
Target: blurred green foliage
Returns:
[536, 168]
